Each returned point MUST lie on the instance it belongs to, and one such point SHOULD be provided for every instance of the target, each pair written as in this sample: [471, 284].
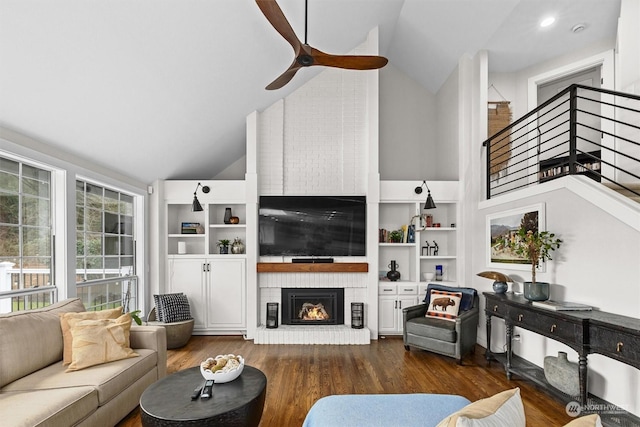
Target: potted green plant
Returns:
[395, 236]
[224, 246]
[535, 246]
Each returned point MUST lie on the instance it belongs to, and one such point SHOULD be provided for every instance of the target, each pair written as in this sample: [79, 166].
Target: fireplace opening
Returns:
[312, 306]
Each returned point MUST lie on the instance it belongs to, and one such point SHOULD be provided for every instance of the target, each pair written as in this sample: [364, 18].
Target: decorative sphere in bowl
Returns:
[222, 368]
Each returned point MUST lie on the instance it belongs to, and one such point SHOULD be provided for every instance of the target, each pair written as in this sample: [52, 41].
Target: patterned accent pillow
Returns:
[172, 307]
[444, 305]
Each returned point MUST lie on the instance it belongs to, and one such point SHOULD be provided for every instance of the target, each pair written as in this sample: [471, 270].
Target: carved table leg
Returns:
[582, 377]
[509, 329]
[487, 353]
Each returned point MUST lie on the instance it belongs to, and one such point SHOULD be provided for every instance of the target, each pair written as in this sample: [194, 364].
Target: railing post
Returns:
[573, 128]
[488, 168]
[5, 285]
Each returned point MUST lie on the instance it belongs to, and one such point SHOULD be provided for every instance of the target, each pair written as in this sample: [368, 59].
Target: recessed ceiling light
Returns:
[547, 21]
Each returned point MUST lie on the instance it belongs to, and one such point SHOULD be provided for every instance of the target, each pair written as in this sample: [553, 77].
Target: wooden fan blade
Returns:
[285, 77]
[350, 62]
[274, 15]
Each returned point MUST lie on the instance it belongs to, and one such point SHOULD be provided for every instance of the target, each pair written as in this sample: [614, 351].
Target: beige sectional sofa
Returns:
[35, 390]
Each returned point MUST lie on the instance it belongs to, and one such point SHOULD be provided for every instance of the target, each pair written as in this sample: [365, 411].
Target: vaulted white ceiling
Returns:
[159, 89]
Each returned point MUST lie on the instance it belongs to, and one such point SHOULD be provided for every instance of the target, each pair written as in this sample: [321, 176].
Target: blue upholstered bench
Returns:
[384, 410]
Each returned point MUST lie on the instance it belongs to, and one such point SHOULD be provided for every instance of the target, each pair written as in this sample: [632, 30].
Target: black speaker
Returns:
[272, 315]
[357, 315]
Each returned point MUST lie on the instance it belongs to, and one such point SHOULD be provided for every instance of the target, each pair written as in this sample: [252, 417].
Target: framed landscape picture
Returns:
[502, 229]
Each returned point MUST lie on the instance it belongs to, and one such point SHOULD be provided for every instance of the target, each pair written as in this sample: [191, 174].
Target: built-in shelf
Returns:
[332, 267]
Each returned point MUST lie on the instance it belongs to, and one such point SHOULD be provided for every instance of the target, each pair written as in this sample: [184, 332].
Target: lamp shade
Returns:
[500, 280]
[498, 277]
[196, 206]
[429, 204]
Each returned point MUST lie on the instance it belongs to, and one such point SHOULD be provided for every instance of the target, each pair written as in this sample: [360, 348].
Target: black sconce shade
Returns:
[196, 206]
[429, 204]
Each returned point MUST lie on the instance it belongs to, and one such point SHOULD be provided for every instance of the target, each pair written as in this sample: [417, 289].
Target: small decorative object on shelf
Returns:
[224, 246]
[234, 220]
[435, 248]
[189, 227]
[393, 274]
[439, 273]
[237, 247]
[199, 229]
[227, 216]
[395, 236]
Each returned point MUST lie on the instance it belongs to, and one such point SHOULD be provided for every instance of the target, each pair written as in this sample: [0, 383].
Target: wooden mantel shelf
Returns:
[333, 267]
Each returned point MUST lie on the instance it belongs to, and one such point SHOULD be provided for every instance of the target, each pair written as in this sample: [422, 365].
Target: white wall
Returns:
[408, 136]
[628, 58]
[443, 151]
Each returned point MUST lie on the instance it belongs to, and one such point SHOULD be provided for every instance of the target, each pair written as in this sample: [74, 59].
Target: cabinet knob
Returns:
[619, 347]
[520, 317]
[495, 307]
[553, 328]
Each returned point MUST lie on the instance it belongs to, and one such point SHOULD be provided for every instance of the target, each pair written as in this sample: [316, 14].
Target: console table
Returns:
[612, 335]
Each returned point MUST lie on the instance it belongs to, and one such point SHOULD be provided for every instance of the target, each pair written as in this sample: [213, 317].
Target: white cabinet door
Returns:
[387, 314]
[405, 301]
[227, 294]
[188, 275]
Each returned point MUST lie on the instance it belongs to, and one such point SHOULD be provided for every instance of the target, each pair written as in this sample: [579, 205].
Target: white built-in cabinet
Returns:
[392, 298]
[399, 205]
[216, 289]
[215, 283]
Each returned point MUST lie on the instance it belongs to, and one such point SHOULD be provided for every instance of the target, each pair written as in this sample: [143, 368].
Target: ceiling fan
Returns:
[307, 56]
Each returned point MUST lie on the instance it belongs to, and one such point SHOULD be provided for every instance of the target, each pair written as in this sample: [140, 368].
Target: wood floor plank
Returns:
[298, 375]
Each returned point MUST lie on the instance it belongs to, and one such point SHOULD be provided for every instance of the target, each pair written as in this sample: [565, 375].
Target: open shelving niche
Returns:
[398, 205]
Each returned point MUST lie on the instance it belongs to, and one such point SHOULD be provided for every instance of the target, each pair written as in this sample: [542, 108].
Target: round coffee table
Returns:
[240, 402]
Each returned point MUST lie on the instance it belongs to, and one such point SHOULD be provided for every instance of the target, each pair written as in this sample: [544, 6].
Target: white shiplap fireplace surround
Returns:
[320, 140]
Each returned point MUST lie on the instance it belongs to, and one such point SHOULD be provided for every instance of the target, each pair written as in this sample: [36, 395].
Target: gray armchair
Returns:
[449, 338]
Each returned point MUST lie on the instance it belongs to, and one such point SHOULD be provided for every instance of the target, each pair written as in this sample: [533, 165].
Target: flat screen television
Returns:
[312, 226]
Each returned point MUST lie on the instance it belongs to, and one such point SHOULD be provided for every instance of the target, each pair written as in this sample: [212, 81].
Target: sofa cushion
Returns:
[99, 341]
[113, 313]
[42, 408]
[31, 340]
[502, 409]
[439, 329]
[109, 379]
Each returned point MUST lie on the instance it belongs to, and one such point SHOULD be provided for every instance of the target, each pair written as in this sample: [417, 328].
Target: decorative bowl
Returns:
[224, 375]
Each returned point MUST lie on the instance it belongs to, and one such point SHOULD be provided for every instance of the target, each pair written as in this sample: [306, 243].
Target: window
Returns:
[105, 245]
[26, 234]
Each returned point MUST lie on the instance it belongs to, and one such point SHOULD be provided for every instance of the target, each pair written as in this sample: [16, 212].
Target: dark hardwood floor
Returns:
[298, 375]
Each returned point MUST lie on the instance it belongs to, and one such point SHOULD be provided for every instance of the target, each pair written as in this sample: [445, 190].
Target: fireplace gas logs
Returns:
[311, 311]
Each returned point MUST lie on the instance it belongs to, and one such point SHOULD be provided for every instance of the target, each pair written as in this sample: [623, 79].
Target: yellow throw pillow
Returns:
[502, 409]
[99, 341]
[84, 315]
[592, 420]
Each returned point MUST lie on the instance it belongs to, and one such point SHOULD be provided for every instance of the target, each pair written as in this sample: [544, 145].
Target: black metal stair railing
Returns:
[579, 131]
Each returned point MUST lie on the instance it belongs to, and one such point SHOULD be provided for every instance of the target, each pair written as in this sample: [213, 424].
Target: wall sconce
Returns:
[196, 206]
[429, 204]
[500, 280]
